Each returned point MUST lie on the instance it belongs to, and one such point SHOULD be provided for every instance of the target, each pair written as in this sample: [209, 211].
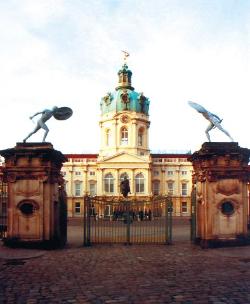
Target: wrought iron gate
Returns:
[3, 209]
[127, 221]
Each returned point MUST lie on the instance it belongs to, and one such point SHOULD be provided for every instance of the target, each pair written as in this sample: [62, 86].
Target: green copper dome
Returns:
[124, 98]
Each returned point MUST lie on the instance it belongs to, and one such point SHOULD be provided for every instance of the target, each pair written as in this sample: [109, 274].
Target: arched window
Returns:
[108, 137]
[139, 183]
[109, 183]
[140, 136]
[124, 136]
[156, 187]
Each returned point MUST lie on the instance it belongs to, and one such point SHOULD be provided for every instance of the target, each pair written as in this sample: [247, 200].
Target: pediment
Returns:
[124, 157]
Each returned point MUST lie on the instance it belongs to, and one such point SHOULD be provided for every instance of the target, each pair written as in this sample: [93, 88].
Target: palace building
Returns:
[124, 151]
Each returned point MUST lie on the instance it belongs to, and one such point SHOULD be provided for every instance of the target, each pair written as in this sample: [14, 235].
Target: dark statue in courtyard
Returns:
[125, 188]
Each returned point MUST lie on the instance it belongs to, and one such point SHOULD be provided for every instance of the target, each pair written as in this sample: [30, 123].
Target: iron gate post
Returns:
[166, 221]
[127, 219]
[193, 214]
[86, 221]
[170, 218]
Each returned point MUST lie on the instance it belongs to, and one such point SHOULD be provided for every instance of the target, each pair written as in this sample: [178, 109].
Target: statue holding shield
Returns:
[58, 113]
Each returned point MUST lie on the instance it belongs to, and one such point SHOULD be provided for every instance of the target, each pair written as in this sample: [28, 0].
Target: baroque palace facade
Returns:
[124, 151]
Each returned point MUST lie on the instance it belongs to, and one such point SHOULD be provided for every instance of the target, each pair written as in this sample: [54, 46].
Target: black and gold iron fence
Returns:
[127, 221]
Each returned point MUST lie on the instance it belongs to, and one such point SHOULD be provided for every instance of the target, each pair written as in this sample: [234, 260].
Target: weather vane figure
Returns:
[58, 113]
[126, 55]
[215, 121]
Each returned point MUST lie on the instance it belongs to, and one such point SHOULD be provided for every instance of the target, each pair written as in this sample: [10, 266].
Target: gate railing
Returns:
[127, 221]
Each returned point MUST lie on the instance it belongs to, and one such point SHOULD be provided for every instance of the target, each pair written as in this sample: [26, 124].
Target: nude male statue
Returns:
[215, 121]
[46, 115]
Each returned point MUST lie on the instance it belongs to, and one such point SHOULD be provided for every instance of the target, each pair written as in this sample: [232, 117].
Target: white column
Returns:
[85, 181]
[133, 140]
[99, 190]
[115, 141]
[132, 182]
[149, 182]
[162, 181]
[117, 188]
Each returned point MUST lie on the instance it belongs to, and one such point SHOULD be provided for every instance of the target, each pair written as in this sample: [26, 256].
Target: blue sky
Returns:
[67, 53]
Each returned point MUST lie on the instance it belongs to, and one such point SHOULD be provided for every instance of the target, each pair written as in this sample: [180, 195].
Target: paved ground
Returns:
[180, 273]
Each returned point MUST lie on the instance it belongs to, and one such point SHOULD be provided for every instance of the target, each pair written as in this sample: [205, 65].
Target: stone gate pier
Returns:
[220, 183]
[37, 214]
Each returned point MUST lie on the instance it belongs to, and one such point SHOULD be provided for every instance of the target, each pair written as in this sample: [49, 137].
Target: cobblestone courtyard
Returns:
[180, 273]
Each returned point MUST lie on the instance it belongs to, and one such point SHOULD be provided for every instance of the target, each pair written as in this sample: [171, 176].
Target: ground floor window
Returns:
[184, 207]
[77, 208]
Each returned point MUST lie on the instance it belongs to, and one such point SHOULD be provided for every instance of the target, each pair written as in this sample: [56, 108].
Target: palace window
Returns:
[156, 187]
[183, 172]
[170, 188]
[124, 136]
[156, 173]
[77, 208]
[92, 188]
[109, 183]
[78, 188]
[139, 183]
[184, 207]
[184, 189]
[170, 172]
[140, 136]
[92, 173]
[77, 173]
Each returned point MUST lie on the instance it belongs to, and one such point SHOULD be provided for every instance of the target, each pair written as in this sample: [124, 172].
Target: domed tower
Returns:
[124, 119]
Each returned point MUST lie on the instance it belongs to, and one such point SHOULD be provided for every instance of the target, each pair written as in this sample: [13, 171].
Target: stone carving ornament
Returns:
[142, 100]
[107, 99]
[125, 99]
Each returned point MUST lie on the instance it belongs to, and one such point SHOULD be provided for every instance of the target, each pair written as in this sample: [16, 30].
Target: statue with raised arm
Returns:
[58, 113]
[125, 188]
[215, 121]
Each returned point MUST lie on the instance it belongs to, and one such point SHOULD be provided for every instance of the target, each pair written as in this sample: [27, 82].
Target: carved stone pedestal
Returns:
[220, 183]
[37, 214]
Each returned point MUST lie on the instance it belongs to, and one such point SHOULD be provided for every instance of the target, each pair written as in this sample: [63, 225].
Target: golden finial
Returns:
[126, 55]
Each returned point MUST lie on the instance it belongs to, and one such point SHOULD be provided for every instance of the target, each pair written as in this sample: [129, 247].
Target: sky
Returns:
[68, 53]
